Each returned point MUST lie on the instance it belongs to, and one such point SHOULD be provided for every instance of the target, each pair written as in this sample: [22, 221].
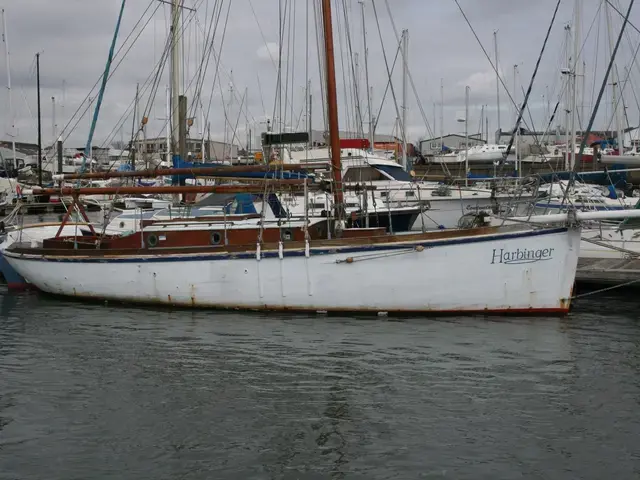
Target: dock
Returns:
[608, 271]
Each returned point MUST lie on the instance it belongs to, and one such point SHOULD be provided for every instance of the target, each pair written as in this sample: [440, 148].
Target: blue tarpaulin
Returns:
[284, 175]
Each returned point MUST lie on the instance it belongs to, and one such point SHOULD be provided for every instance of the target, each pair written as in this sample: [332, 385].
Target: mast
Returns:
[495, 45]
[54, 129]
[486, 121]
[574, 83]
[332, 108]
[441, 114]
[466, 136]
[614, 85]
[405, 70]
[175, 78]
[39, 121]
[582, 92]
[567, 108]
[88, 151]
[366, 76]
[168, 125]
[5, 37]
[515, 114]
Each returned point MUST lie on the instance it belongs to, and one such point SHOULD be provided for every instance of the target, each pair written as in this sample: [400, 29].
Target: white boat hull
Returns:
[609, 243]
[507, 271]
[628, 160]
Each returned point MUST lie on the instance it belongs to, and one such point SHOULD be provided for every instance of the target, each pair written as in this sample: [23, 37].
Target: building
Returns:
[215, 151]
[528, 141]
[452, 141]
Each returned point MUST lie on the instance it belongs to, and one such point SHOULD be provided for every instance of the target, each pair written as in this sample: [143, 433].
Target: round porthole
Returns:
[152, 240]
[216, 238]
[121, 224]
[286, 235]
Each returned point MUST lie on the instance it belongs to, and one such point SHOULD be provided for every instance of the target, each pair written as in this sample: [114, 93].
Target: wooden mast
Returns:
[332, 109]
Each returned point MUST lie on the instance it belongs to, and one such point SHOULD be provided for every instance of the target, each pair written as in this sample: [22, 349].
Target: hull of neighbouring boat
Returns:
[514, 271]
[627, 160]
[610, 243]
[446, 213]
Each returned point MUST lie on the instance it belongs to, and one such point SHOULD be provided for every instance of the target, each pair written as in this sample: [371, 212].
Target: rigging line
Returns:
[218, 59]
[386, 90]
[146, 85]
[111, 75]
[637, 65]
[234, 136]
[169, 40]
[425, 119]
[622, 15]
[603, 86]
[264, 108]
[506, 89]
[593, 85]
[116, 55]
[224, 72]
[307, 80]
[278, 94]
[348, 97]
[103, 87]
[386, 63]
[288, 61]
[533, 77]
[624, 85]
[293, 57]
[264, 39]
[321, 61]
[359, 120]
[210, 36]
[208, 44]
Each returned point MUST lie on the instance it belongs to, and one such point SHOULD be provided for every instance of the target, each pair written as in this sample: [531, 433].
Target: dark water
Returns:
[93, 391]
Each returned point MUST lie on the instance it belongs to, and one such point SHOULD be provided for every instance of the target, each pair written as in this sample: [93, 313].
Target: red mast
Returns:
[332, 108]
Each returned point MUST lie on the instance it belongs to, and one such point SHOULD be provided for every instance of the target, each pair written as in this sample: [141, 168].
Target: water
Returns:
[107, 392]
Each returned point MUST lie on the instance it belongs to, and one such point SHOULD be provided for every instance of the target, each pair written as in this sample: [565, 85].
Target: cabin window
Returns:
[216, 238]
[363, 174]
[286, 235]
[152, 240]
[410, 194]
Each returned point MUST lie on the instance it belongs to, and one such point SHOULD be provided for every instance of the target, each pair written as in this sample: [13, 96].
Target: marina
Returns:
[258, 240]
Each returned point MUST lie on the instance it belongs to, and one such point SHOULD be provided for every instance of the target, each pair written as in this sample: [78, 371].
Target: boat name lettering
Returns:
[521, 255]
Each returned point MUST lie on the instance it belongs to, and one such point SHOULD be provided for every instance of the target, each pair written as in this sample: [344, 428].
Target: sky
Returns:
[73, 38]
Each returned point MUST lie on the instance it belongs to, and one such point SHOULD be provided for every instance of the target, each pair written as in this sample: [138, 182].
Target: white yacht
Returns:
[444, 206]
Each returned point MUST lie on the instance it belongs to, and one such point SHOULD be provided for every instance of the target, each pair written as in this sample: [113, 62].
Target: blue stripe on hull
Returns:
[295, 253]
[13, 278]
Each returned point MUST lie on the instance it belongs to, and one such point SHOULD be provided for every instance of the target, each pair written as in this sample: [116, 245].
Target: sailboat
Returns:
[513, 269]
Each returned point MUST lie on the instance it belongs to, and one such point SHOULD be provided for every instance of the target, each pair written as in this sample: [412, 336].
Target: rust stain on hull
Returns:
[561, 310]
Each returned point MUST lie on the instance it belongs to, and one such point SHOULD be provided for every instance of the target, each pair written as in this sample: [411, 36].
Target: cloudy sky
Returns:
[73, 38]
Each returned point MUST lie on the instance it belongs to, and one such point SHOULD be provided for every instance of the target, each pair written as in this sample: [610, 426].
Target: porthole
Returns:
[286, 235]
[121, 224]
[216, 238]
[152, 240]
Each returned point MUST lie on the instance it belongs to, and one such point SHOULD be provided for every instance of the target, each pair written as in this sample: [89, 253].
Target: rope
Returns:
[375, 256]
[602, 290]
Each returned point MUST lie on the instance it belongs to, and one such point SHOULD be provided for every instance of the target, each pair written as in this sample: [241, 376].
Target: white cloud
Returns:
[268, 52]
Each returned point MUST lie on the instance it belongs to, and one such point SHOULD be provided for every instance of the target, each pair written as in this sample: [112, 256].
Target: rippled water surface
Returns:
[95, 391]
